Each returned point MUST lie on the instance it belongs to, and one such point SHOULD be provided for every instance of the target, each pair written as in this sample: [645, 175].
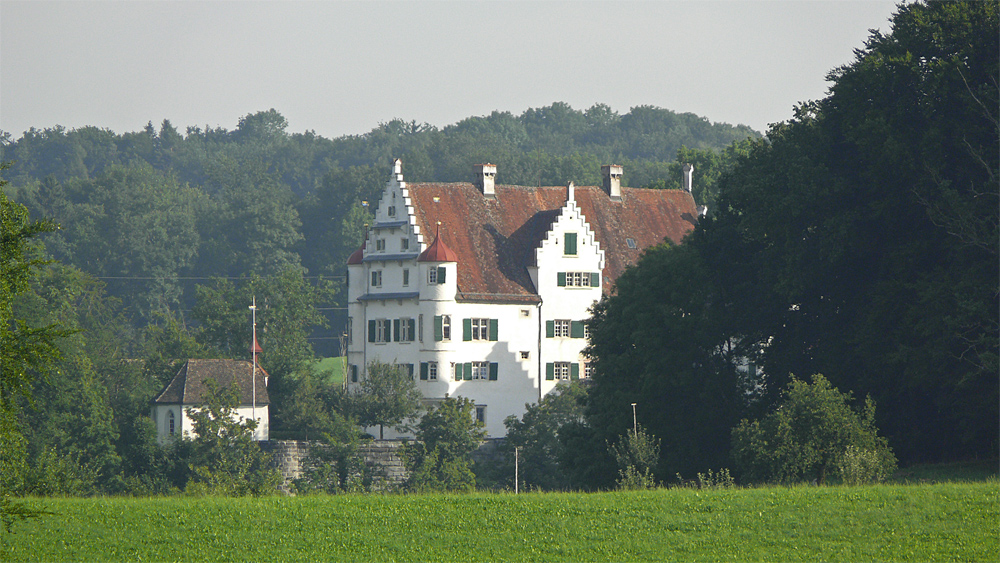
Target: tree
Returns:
[446, 436]
[537, 436]
[25, 351]
[861, 240]
[637, 454]
[223, 457]
[812, 432]
[387, 396]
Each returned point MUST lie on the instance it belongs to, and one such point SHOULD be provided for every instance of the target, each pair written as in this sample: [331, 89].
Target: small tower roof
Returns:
[438, 251]
[357, 256]
[255, 349]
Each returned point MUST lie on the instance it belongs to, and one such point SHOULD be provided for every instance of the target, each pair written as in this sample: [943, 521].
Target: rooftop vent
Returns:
[688, 173]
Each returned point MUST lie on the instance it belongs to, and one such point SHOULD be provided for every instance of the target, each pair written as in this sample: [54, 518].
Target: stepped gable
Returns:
[494, 238]
[188, 386]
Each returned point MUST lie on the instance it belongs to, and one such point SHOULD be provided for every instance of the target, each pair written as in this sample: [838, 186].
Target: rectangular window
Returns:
[377, 278]
[525, 313]
[588, 370]
[354, 373]
[481, 414]
[479, 329]
[561, 329]
[350, 330]
[525, 355]
[578, 279]
[569, 248]
[404, 244]
[379, 331]
[436, 275]
[442, 328]
[420, 327]
[432, 371]
[561, 371]
[408, 370]
[380, 245]
[405, 329]
[480, 370]
[391, 211]
[406, 276]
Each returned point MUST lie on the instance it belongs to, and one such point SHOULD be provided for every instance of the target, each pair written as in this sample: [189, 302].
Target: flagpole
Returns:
[253, 360]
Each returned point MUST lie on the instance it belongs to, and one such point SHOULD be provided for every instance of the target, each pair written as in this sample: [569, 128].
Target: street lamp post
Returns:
[635, 425]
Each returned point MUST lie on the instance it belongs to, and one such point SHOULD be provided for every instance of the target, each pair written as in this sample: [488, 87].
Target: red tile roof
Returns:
[494, 239]
[357, 256]
[188, 386]
[438, 251]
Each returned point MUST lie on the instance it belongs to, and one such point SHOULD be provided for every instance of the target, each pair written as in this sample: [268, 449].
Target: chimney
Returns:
[688, 172]
[484, 175]
[570, 192]
[612, 174]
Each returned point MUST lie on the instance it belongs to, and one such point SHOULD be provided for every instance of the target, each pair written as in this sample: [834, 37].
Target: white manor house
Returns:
[481, 290]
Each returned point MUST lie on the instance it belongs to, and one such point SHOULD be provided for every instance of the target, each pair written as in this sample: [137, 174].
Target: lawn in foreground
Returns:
[952, 521]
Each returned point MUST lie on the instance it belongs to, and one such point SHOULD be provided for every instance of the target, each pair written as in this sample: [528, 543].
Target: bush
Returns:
[637, 454]
[812, 432]
[446, 436]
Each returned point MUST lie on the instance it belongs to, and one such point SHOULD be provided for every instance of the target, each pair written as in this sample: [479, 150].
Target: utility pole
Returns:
[635, 425]
[253, 359]
[517, 462]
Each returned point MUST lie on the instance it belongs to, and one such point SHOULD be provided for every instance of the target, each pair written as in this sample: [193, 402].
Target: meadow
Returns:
[918, 522]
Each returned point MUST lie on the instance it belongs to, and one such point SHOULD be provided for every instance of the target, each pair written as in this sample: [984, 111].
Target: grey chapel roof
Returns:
[188, 386]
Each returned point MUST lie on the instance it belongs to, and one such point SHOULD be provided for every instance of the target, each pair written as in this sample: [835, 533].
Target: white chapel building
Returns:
[481, 290]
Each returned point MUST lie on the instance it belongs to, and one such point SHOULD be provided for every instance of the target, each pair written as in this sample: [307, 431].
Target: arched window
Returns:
[170, 422]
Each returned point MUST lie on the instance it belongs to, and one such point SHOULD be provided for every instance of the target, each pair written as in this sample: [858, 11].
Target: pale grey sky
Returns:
[341, 68]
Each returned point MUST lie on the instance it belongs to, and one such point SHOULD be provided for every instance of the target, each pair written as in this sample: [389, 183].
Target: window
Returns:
[525, 313]
[404, 329]
[479, 329]
[377, 278]
[481, 414]
[476, 371]
[380, 245]
[170, 423]
[407, 369]
[525, 355]
[391, 211]
[588, 370]
[404, 243]
[379, 331]
[350, 330]
[561, 329]
[578, 279]
[420, 328]
[354, 373]
[442, 328]
[631, 243]
[569, 248]
[560, 371]
[436, 275]
[428, 371]
[406, 276]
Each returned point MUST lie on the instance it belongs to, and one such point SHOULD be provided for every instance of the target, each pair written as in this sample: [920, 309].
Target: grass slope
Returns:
[952, 521]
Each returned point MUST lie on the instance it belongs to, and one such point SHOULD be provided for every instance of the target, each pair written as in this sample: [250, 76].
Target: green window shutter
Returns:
[595, 279]
[570, 248]
[458, 372]
[423, 371]
[550, 371]
[395, 330]
[441, 272]
[576, 329]
[466, 329]
[467, 376]
[561, 279]
[574, 371]
[494, 329]
[494, 368]
[550, 329]
[438, 330]
[413, 328]
[371, 331]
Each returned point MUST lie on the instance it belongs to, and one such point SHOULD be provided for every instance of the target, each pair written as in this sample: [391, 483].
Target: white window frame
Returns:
[561, 328]
[404, 243]
[560, 371]
[588, 370]
[480, 371]
[445, 328]
[479, 414]
[577, 279]
[405, 335]
[480, 329]
[406, 277]
[432, 276]
[432, 371]
[380, 245]
[383, 331]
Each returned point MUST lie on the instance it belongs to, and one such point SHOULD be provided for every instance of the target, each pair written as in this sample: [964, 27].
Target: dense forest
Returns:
[858, 240]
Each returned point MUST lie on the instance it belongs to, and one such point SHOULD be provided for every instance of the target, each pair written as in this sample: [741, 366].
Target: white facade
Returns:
[172, 421]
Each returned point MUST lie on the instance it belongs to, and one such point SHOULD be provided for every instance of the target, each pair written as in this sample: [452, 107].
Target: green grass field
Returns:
[941, 522]
[336, 368]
